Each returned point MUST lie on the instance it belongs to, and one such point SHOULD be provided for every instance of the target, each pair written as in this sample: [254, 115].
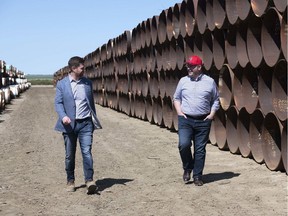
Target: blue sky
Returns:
[39, 36]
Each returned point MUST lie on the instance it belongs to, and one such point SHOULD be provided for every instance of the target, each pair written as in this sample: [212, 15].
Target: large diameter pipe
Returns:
[284, 147]
[168, 112]
[254, 48]
[255, 137]
[233, 139]
[125, 103]
[207, 49]
[149, 108]
[225, 86]
[201, 16]
[219, 48]
[284, 34]
[231, 10]
[250, 88]
[243, 9]
[219, 14]
[148, 34]
[162, 26]
[190, 20]
[154, 30]
[182, 18]
[158, 111]
[243, 125]
[279, 90]
[270, 36]
[280, 5]
[180, 52]
[220, 129]
[176, 20]
[271, 134]
[169, 23]
[210, 15]
[241, 44]
[230, 47]
[259, 7]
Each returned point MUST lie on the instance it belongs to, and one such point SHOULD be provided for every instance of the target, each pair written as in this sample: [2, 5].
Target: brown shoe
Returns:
[70, 186]
[91, 187]
[198, 181]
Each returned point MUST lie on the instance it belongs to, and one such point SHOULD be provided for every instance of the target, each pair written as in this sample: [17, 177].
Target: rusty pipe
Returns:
[259, 7]
[207, 49]
[219, 48]
[243, 8]
[225, 86]
[279, 90]
[162, 30]
[233, 139]
[182, 18]
[167, 112]
[210, 15]
[270, 36]
[190, 20]
[201, 16]
[149, 108]
[254, 49]
[271, 136]
[220, 129]
[250, 88]
[231, 11]
[219, 14]
[180, 52]
[169, 23]
[158, 111]
[255, 138]
[230, 47]
[154, 30]
[176, 20]
[280, 5]
[284, 34]
[264, 89]
[148, 33]
[284, 147]
[243, 125]
[241, 43]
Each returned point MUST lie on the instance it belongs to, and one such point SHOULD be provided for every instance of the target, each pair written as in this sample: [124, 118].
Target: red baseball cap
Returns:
[194, 60]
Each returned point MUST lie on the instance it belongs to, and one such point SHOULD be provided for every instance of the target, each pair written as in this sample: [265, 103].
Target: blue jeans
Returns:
[197, 131]
[84, 132]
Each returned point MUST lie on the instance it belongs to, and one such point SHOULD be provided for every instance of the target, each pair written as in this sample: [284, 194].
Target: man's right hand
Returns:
[66, 120]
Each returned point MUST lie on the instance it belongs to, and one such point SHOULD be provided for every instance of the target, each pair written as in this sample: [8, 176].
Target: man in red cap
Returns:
[196, 101]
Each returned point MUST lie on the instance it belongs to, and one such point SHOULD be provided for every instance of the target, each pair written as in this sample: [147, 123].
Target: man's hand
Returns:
[66, 120]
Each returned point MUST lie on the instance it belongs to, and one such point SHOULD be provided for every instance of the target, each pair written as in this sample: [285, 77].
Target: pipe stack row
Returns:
[12, 83]
[243, 44]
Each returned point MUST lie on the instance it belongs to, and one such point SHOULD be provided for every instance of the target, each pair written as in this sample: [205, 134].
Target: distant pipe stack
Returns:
[243, 44]
[12, 83]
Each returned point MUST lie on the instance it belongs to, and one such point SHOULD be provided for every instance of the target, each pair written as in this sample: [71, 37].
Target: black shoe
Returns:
[186, 176]
[198, 181]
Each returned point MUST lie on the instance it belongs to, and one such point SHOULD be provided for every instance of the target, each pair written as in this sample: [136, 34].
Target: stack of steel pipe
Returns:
[243, 44]
[12, 83]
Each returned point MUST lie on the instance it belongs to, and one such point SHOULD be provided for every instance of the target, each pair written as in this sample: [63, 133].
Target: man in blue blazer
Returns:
[75, 107]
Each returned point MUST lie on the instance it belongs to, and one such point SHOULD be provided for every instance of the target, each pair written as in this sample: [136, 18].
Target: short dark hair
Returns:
[75, 61]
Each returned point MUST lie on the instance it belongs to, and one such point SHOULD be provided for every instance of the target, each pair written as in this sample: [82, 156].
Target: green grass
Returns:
[40, 79]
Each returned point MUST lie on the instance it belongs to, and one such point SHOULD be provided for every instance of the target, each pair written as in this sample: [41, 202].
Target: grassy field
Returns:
[40, 79]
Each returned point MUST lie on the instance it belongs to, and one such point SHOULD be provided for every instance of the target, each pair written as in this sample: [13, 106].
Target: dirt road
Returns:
[137, 170]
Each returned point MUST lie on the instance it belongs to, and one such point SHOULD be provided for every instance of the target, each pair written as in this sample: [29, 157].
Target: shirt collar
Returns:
[198, 78]
[72, 80]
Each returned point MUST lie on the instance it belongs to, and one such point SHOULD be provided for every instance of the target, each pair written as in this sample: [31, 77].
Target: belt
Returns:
[199, 117]
[84, 119]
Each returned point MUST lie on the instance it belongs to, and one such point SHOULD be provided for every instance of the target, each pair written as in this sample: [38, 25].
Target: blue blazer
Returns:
[65, 103]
